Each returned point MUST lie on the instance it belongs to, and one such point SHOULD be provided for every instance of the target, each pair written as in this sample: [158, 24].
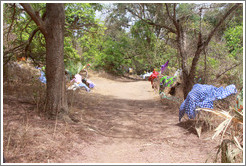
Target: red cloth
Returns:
[153, 76]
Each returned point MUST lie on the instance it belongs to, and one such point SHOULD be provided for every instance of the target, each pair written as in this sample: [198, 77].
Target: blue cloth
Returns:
[83, 85]
[42, 78]
[91, 85]
[202, 96]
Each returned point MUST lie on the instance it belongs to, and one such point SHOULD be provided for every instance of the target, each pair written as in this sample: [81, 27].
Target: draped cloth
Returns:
[202, 96]
[163, 67]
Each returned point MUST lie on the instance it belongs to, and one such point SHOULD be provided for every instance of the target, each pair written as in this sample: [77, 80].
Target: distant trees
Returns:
[191, 26]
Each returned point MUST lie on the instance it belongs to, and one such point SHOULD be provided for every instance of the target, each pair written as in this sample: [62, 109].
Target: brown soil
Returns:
[120, 121]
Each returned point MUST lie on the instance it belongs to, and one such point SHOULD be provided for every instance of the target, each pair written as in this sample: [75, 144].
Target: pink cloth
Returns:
[77, 78]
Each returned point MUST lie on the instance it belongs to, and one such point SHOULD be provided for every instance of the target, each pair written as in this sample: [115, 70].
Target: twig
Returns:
[55, 124]
[219, 75]
[225, 130]
[12, 22]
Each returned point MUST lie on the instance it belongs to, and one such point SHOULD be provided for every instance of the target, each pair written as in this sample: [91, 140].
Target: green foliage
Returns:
[143, 33]
[83, 37]
[234, 40]
[112, 59]
[73, 67]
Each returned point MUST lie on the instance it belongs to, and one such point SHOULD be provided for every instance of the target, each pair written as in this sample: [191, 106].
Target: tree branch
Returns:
[79, 26]
[13, 49]
[211, 34]
[172, 18]
[30, 40]
[219, 75]
[12, 22]
[36, 18]
[148, 21]
[174, 11]
[24, 28]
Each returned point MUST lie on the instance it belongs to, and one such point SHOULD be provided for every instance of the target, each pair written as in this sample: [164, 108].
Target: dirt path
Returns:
[131, 125]
[119, 121]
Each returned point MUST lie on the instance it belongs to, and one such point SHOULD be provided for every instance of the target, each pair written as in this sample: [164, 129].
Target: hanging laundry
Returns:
[153, 76]
[78, 83]
[91, 84]
[167, 81]
[202, 96]
[163, 67]
[42, 77]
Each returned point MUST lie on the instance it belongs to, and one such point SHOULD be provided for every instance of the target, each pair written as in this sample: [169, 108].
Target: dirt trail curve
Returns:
[131, 125]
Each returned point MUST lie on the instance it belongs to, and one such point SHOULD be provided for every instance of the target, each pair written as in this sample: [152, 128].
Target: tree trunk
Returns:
[54, 25]
[187, 81]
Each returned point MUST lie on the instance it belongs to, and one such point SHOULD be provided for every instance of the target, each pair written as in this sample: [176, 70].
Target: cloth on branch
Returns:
[202, 96]
[153, 76]
[163, 67]
[167, 81]
[42, 77]
[78, 83]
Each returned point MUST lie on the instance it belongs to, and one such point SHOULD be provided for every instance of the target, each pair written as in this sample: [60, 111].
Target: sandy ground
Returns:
[119, 121]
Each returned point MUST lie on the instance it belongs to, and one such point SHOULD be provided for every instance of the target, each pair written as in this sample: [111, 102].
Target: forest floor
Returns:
[121, 120]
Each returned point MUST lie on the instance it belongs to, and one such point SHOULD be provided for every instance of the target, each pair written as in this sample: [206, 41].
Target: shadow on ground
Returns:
[122, 118]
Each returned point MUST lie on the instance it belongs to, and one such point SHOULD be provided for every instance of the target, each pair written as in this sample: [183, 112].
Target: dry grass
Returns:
[28, 136]
[230, 130]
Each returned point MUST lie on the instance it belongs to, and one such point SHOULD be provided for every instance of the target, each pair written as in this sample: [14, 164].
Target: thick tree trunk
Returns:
[54, 25]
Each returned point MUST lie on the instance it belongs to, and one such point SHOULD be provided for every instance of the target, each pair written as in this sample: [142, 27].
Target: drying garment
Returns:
[153, 76]
[146, 75]
[163, 67]
[178, 73]
[83, 85]
[77, 78]
[80, 85]
[42, 77]
[91, 84]
[167, 81]
[202, 96]
[88, 83]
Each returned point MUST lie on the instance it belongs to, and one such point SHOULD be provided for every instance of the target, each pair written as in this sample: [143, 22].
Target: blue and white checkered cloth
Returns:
[202, 96]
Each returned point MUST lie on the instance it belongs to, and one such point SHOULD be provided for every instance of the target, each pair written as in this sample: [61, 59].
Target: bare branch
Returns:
[12, 22]
[148, 21]
[172, 18]
[174, 11]
[230, 68]
[36, 18]
[168, 12]
[74, 26]
[30, 40]
[13, 49]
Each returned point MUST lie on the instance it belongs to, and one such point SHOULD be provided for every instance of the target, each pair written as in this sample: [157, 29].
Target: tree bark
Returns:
[56, 97]
[52, 27]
